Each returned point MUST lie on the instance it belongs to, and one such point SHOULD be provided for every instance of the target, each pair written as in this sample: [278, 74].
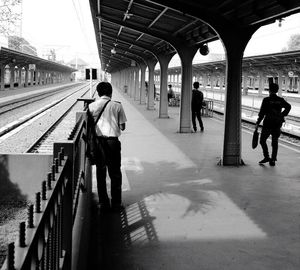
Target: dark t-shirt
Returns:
[171, 93]
[271, 111]
[197, 100]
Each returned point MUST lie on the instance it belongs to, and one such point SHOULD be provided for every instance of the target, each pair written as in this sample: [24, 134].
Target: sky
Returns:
[271, 38]
[66, 26]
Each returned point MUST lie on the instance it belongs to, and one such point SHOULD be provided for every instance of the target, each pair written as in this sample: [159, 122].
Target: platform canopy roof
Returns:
[267, 63]
[9, 56]
[135, 30]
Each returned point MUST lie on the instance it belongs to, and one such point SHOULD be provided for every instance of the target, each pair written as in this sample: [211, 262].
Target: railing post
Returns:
[57, 232]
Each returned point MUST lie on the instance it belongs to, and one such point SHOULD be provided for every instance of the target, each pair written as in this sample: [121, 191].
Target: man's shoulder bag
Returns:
[255, 139]
[95, 151]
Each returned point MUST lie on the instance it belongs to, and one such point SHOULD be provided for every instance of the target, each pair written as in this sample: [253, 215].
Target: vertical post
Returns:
[12, 76]
[150, 97]
[186, 56]
[163, 103]
[234, 47]
[280, 82]
[142, 85]
[2, 71]
[90, 82]
[26, 76]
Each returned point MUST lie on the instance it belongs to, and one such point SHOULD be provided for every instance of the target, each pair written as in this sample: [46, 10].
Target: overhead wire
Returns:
[81, 23]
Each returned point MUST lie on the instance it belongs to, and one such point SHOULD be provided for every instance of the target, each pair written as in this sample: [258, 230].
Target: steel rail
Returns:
[31, 99]
[37, 144]
[15, 124]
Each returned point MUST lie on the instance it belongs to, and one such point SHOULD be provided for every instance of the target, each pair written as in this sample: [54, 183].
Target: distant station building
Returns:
[80, 65]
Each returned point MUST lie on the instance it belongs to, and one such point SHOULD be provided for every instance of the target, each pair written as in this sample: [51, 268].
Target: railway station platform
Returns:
[185, 212]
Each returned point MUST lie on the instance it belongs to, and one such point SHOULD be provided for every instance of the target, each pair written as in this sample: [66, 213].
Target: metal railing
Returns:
[208, 109]
[55, 234]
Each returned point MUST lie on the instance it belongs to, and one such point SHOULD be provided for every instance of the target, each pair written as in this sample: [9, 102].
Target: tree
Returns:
[10, 15]
[293, 43]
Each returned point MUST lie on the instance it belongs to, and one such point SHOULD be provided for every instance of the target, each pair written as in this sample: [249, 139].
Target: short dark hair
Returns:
[104, 89]
[169, 85]
[273, 87]
[196, 85]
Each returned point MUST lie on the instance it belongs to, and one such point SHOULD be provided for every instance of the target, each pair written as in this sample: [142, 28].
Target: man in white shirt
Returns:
[108, 129]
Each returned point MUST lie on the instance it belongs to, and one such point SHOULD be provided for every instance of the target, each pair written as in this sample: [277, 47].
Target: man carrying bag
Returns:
[272, 111]
[108, 128]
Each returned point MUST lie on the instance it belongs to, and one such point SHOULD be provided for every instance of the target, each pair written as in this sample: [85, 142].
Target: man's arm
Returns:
[122, 118]
[122, 126]
[261, 113]
[287, 107]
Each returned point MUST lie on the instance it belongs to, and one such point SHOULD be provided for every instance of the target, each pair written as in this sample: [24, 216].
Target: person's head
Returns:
[170, 85]
[104, 89]
[273, 88]
[196, 85]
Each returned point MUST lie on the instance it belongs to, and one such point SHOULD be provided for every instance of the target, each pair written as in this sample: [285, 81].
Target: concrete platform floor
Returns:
[184, 212]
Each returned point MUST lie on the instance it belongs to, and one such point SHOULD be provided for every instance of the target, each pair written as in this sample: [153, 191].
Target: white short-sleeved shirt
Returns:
[112, 116]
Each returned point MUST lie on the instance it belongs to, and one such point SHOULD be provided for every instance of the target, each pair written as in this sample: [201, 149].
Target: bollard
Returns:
[53, 172]
[49, 179]
[22, 234]
[44, 189]
[61, 157]
[30, 216]
[10, 257]
[56, 164]
[38, 202]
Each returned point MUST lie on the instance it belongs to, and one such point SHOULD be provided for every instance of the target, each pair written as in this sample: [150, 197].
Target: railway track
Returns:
[13, 105]
[59, 127]
[23, 120]
[286, 137]
[58, 130]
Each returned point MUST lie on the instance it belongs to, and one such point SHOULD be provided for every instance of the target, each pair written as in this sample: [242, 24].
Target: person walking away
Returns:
[273, 117]
[197, 101]
[170, 93]
[108, 130]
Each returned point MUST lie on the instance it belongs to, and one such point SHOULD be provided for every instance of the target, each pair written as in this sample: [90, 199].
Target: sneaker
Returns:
[265, 160]
[272, 162]
[195, 129]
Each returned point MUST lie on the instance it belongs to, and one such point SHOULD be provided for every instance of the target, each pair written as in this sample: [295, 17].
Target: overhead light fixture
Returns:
[280, 22]
[113, 51]
[127, 15]
[204, 50]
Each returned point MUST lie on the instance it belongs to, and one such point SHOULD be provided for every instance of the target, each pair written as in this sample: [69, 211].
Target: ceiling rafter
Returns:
[180, 23]
[139, 29]
[158, 17]
[136, 44]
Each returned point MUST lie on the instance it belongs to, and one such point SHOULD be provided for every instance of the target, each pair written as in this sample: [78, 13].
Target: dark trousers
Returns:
[198, 115]
[265, 133]
[112, 149]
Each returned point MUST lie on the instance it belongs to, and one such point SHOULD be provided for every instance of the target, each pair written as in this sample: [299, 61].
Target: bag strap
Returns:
[98, 117]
